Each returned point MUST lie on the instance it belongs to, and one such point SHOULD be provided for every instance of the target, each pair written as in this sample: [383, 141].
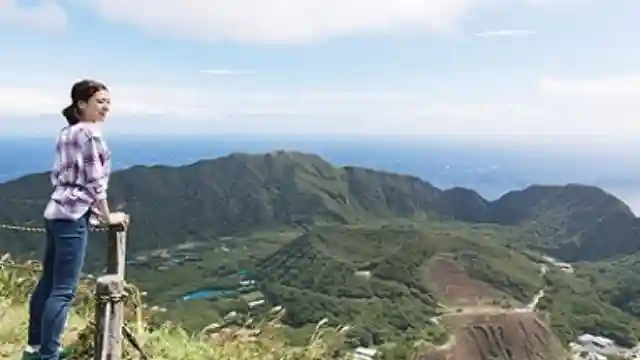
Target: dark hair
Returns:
[82, 90]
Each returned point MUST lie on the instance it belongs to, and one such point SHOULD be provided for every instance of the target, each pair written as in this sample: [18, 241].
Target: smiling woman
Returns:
[80, 177]
[89, 99]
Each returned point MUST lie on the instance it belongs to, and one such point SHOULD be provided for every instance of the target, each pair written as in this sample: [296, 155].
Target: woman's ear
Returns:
[82, 105]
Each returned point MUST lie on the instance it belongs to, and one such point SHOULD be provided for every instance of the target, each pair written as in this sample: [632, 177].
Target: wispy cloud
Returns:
[506, 33]
[284, 21]
[226, 72]
[47, 15]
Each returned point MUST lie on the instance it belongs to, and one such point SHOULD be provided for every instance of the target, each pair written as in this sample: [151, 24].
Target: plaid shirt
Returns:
[80, 174]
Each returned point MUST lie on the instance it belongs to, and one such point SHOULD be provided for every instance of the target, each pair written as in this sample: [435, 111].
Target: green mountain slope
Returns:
[241, 193]
[388, 282]
[373, 279]
[572, 223]
[616, 281]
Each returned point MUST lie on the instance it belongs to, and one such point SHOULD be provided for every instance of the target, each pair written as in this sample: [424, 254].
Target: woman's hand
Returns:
[118, 218]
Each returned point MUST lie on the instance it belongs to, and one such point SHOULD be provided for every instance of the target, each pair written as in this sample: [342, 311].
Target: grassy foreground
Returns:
[159, 341]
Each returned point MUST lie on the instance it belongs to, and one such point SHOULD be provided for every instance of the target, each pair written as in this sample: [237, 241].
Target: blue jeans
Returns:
[62, 265]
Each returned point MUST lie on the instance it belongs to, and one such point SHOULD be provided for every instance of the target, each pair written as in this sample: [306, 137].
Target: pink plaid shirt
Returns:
[80, 174]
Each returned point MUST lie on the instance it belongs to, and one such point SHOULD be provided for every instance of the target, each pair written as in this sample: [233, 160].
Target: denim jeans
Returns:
[63, 260]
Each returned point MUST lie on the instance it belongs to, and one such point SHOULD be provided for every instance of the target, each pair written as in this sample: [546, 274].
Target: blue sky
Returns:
[450, 68]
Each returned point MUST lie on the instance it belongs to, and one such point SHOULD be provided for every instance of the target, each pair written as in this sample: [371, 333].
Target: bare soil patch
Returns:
[505, 336]
[453, 285]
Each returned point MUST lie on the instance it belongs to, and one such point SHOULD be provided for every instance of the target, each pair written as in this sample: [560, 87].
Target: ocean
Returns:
[490, 169]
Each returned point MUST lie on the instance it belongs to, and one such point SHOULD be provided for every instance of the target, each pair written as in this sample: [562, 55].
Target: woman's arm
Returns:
[95, 158]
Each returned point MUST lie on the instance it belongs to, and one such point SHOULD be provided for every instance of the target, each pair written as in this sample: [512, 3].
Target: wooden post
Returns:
[116, 249]
[109, 318]
[109, 293]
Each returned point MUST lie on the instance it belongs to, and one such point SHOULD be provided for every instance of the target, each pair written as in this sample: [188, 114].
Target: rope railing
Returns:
[37, 229]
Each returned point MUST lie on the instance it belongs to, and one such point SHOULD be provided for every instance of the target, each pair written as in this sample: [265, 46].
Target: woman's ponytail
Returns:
[71, 114]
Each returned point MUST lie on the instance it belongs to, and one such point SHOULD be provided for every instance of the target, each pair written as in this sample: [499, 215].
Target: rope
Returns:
[24, 228]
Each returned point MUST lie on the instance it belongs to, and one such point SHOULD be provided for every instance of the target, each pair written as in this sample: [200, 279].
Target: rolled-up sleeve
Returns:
[96, 171]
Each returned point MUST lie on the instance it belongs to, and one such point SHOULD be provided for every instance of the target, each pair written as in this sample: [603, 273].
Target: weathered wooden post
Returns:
[116, 249]
[110, 295]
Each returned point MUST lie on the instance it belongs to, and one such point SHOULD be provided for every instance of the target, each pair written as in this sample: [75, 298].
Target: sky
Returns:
[448, 68]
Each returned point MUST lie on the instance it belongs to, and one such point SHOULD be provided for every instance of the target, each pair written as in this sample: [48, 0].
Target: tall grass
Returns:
[246, 340]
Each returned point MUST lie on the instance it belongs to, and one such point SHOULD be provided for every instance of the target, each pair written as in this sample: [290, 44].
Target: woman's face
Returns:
[96, 109]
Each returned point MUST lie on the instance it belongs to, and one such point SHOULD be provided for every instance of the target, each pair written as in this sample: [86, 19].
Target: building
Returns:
[363, 353]
[585, 355]
[597, 341]
[256, 303]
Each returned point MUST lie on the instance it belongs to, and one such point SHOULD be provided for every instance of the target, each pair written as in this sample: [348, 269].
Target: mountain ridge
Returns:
[243, 191]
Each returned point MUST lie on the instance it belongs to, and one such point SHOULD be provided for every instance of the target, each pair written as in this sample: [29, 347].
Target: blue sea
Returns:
[491, 169]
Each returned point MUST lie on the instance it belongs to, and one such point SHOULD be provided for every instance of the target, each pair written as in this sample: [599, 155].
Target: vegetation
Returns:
[159, 341]
[365, 277]
[616, 281]
[576, 309]
[571, 223]
[381, 252]
[317, 275]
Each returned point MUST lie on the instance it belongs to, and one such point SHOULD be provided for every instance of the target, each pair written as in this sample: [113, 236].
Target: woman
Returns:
[80, 177]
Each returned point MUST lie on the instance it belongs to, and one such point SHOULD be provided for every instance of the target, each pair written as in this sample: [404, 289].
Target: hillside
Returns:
[388, 282]
[241, 193]
[571, 223]
[325, 274]
[616, 281]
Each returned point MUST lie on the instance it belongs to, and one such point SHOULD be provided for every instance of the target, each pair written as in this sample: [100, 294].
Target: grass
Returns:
[243, 340]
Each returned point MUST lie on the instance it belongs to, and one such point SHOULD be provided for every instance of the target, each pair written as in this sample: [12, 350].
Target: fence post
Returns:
[116, 250]
[109, 294]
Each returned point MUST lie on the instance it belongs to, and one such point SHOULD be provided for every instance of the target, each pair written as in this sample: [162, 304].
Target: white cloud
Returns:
[267, 21]
[45, 15]
[283, 20]
[604, 106]
[506, 33]
[296, 21]
[27, 101]
[173, 110]
[611, 87]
